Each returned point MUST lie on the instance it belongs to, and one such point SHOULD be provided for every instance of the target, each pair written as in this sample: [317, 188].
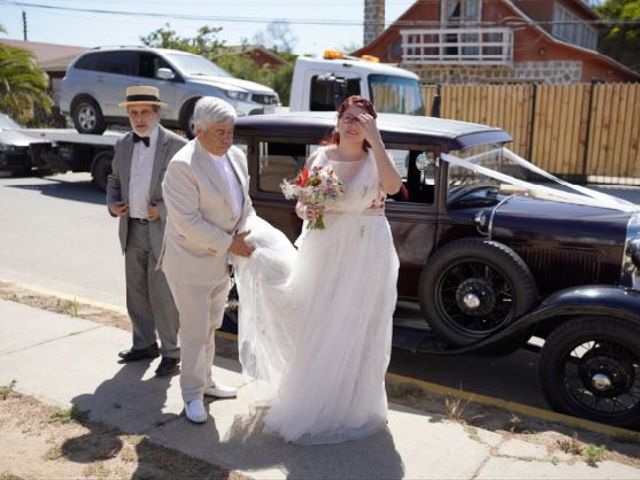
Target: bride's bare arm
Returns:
[390, 179]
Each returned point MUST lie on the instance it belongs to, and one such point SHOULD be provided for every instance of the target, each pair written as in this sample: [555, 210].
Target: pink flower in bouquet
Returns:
[313, 187]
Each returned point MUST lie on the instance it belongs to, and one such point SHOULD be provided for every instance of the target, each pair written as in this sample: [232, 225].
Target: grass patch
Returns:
[455, 408]
[6, 390]
[402, 390]
[594, 454]
[570, 445]
[73, 414]
[54, 453]
[70, 307]
[9, 476]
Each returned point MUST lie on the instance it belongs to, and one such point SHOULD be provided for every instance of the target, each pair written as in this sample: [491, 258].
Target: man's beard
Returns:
[148, 132]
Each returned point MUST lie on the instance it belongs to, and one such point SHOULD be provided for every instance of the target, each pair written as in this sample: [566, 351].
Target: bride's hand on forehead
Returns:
[369, 127]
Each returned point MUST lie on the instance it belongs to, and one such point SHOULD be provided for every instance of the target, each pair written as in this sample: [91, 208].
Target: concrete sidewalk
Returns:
[69, 361]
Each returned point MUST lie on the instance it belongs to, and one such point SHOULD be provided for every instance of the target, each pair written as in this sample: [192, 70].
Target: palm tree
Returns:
[23, 86]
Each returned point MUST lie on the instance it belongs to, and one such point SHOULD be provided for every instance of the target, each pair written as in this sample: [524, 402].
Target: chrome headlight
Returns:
[236, 95]
[630, 275]
[633, 251]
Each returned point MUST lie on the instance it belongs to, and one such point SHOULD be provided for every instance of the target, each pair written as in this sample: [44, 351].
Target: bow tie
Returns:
[137, 138]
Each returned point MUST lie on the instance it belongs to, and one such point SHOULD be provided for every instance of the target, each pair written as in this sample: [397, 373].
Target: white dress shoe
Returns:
[221, 391]
[195, 411]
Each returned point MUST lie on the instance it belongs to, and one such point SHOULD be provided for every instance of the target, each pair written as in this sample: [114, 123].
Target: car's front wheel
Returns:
[473, 287]
[590, 367]
[87, 116]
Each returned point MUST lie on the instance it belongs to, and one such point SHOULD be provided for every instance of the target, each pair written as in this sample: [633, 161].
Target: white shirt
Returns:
[223, 165]
[140, 179]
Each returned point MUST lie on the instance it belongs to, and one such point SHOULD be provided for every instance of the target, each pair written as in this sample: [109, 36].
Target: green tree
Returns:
[23, 86]
[622, 40]
[207, 44]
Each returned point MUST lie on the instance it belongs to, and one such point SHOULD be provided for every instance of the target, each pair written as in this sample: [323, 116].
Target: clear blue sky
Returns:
[339, 23]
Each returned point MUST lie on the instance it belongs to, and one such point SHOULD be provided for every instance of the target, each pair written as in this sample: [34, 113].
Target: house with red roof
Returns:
[497, 41]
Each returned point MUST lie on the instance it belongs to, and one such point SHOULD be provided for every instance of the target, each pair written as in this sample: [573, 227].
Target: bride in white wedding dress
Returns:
[315, 323]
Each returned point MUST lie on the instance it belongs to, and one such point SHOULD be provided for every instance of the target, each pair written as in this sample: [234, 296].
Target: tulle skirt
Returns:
[315, 326]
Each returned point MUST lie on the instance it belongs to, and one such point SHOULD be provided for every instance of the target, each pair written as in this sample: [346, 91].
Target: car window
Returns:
[392, 94]
[150, 63]
[195, 65]
[88, 62]
[278, 161]
[118, 62]
[325, 93]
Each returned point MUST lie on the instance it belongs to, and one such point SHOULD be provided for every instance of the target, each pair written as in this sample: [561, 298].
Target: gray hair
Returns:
[210, 110]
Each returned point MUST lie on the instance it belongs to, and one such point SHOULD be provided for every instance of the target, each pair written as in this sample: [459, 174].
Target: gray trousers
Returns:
[149, 302]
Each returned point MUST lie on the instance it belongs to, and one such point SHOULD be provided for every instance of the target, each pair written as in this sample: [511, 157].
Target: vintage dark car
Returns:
[495, 250]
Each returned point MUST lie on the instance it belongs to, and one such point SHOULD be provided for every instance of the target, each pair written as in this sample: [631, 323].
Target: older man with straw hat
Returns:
[134, 194]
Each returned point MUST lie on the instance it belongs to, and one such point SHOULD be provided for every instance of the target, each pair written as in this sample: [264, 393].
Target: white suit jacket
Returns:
[200, 217]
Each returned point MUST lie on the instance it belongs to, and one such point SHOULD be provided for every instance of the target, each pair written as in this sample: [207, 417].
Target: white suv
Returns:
[95, 83]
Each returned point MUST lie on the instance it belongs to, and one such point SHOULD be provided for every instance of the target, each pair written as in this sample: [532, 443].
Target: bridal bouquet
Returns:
[312, 187]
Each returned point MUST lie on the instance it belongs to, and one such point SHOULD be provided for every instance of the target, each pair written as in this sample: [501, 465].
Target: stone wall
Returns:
[553, 72]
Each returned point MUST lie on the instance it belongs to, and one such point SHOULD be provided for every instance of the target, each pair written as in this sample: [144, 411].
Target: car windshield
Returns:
[195, 65]
[7, 123]
[392, 94]
[499, 170]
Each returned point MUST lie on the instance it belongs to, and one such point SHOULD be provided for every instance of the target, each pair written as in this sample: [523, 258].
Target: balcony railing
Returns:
[486, 46]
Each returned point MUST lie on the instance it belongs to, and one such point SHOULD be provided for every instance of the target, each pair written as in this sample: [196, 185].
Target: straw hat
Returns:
[142, 95]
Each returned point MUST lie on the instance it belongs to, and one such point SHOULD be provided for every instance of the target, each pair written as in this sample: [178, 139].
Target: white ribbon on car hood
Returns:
[586, 195]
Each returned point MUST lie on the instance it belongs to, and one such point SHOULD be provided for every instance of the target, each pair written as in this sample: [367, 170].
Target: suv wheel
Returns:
[87, 117]
[186, 119]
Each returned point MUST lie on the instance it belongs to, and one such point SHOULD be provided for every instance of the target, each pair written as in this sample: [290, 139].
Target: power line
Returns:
[301, 21]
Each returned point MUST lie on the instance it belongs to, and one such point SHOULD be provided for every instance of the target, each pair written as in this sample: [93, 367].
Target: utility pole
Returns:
[24, 24]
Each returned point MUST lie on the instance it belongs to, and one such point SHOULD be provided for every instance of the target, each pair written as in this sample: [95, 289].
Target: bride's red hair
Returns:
[359, 101]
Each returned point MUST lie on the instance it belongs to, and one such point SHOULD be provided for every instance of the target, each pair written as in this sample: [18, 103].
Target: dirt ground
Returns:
[44, 442]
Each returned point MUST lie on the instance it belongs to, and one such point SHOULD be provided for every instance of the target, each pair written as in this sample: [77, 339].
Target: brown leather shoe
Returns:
[134, 355]
[168, 366]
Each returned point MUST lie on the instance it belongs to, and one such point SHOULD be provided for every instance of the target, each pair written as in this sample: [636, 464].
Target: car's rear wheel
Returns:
[590, 367]
[474, 287]
[87, 116]
[186, 119]
[101, 169]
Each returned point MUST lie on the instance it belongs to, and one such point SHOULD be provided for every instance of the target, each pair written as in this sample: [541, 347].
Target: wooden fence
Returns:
[586, 132]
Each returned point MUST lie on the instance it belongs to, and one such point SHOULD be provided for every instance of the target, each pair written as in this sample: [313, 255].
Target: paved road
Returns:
[56, 234]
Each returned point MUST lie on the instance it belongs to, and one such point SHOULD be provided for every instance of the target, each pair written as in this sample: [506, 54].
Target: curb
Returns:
[522, 409]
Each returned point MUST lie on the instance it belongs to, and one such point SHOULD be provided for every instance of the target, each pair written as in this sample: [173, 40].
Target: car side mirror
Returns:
[165, 74]
[426, 165]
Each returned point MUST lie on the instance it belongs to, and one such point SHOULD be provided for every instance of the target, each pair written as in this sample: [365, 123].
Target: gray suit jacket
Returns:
[201, 220]
[118, 182]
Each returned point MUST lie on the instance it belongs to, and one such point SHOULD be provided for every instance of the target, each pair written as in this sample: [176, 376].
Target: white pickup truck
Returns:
[321, 84]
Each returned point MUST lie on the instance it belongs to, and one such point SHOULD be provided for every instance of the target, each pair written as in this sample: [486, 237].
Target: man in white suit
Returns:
[206, 191]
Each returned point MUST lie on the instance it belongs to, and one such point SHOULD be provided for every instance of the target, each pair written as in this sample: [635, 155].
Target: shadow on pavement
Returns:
[78, 191]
